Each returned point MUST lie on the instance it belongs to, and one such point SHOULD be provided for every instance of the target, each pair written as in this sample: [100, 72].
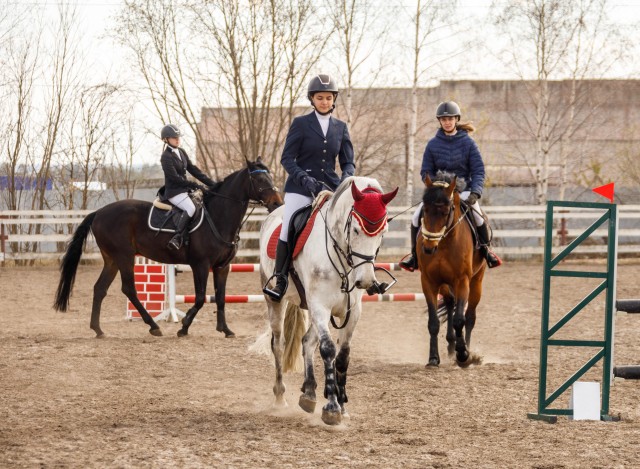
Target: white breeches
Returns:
[292, 202]
[184, 202]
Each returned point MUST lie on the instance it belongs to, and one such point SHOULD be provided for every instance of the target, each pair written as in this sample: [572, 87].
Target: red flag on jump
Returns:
[605, 191]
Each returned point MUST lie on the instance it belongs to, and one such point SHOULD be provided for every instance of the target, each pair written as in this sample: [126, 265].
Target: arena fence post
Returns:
[604, 352]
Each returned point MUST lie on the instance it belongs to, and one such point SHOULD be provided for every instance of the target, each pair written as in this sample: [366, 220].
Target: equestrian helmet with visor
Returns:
[170, 131]
[320, 83]
[448, 109]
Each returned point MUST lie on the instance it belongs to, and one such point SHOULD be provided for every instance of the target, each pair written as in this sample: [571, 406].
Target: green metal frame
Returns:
[605, 346]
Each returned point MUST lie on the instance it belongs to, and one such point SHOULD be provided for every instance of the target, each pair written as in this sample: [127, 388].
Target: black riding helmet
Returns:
[322, 82]
[448, 109]
[170, 131]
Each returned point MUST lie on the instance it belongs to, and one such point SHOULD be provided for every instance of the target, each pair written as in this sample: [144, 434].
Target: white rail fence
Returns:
[518, 232]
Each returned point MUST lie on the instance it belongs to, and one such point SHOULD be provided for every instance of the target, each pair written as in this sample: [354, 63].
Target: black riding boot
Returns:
[281, 272]
[485, 248]
[411, 263]
[181, 231]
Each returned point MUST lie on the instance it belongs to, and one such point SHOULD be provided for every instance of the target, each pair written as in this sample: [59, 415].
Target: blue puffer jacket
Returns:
[456, 154]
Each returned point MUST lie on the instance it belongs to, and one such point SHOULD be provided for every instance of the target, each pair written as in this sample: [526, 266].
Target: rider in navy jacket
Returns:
[314, 143]
[453, 150]
[309, 153]
[175, 165]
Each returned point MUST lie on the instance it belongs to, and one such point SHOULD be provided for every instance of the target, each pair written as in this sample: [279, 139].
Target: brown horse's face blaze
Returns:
[436, 213]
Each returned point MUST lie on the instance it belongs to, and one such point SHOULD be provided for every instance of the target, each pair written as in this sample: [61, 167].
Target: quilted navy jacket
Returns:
[308, 152]
[456, 154]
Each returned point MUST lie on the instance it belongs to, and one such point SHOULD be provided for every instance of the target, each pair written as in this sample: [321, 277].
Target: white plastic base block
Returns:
[585, 400]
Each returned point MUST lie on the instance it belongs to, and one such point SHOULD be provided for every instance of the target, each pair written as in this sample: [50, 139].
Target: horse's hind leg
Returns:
[200, 277]
[276, 319]
[129, 289]
[307, 400]
[109, 272]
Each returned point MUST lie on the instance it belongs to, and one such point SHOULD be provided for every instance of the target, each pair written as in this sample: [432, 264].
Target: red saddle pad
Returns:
[302, 239]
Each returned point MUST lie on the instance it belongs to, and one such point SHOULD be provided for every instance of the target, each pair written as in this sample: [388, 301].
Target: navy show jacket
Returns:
[175, 173]
[308, 152]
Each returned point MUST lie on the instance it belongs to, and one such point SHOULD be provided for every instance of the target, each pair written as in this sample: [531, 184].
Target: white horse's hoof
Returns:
[331, 417]
[307, 404]
[280, 403]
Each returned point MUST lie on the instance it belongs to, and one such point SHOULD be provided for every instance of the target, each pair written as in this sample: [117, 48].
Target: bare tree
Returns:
[244, 64]
[429, 20]
[360, 38]
[570, 41]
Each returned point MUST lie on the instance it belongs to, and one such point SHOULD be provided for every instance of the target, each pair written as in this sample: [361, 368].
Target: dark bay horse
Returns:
[449, 265]
[121, 232]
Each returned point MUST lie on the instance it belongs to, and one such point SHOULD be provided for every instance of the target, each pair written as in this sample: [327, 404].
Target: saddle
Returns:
[163, 215]
[472, 223]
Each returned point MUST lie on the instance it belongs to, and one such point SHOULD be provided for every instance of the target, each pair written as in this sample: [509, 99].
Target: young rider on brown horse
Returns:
[454, 151]
[176, 164]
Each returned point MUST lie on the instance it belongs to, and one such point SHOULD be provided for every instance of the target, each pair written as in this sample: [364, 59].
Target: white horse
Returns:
[335, 267]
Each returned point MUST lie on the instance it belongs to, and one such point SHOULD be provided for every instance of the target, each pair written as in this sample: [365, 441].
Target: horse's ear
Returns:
[355, 192]
[259, 160]
[427, 181]
[452, 186]
[389, 196]
[247, 160]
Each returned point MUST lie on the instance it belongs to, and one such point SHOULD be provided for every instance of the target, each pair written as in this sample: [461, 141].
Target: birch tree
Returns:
[565, 41]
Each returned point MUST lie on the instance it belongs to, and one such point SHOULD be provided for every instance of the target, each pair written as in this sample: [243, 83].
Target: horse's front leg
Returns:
[220, 275]
[462, 352]
[449, 302]
[475, 293]
[307, 399]
[331, 412]
[200, 277]
[433, 326]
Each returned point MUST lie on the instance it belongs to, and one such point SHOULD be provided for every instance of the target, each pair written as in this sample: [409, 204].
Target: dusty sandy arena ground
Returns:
[133, 400]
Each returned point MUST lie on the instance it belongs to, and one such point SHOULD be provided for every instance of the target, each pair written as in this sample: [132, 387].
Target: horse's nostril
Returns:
[358, 284]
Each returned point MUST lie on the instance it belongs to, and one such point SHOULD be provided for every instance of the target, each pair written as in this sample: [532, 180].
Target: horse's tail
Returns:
[295, 326]
[70, 263]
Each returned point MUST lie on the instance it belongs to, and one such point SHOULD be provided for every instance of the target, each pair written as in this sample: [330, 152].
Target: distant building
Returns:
[591, 134]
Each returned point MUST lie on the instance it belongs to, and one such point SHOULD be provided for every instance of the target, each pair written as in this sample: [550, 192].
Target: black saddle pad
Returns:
[164, 220]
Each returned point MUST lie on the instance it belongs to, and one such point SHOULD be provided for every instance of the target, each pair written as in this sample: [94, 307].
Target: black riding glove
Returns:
[310, 184]
[473, 198]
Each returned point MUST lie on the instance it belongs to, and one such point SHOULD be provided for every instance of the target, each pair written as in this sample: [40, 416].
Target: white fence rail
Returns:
[518, 232]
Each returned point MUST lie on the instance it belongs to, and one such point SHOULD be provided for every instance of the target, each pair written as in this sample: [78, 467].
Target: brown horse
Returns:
[121, 232]
[449, 265]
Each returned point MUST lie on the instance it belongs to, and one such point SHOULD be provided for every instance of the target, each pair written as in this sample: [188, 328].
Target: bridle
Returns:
[344, 271]
[449, 225]
[234, 244]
